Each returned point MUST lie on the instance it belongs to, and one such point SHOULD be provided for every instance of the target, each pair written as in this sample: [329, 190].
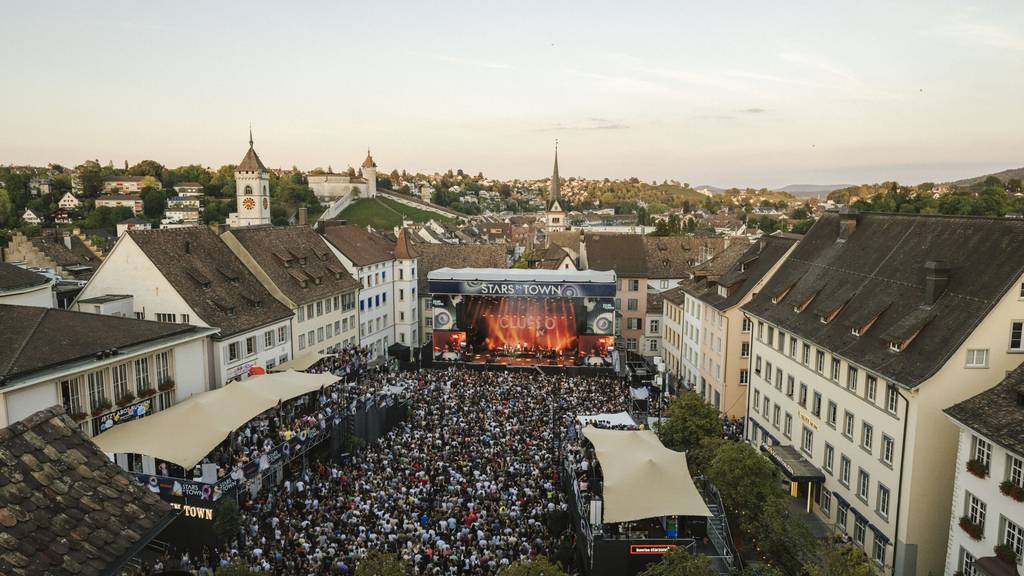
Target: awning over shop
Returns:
[793, 464]
[186, 432]
[642, 478]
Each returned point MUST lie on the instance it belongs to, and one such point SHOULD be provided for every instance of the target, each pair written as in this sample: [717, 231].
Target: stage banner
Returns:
[531, 289]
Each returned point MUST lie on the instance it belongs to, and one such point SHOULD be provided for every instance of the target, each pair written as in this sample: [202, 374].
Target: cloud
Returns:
[623, 83]
[979, 34]
[467, 61]
[753, 111]
[588, 124]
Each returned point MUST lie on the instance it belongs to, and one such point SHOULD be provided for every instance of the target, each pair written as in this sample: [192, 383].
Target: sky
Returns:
[741, 93]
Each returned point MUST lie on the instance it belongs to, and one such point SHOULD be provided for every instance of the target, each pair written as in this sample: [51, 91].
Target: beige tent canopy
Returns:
[642, 478]
[186, 432]
[301, 362]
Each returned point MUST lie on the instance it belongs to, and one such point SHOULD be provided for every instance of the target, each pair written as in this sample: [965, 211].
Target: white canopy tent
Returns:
[301, 362]
[616, 419]
[186, 432]
[642, 478]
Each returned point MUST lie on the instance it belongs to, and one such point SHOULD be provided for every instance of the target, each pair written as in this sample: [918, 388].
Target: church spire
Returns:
[556, 185]
[250, 135]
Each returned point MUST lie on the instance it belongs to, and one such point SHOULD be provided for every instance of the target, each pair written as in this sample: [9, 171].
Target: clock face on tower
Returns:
[249, 203]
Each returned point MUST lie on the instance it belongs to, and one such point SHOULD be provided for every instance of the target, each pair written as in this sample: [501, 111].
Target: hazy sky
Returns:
[725, 93]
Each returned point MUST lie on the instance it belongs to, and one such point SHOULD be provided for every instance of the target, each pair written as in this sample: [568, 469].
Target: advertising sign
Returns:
[126, 414]
[533, 289]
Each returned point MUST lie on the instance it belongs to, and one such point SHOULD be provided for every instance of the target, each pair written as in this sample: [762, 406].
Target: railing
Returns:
[721, 539]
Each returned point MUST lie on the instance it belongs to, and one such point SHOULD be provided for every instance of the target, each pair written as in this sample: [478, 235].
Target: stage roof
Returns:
[521, 275]
[186, 432]
[616, 419]
[642, 478]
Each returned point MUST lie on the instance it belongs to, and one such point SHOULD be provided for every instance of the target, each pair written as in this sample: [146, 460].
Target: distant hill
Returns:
[1004, 176]
[811, 190]
[710, 188]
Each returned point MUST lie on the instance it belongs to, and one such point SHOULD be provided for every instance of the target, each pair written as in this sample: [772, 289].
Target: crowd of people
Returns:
[468, 484]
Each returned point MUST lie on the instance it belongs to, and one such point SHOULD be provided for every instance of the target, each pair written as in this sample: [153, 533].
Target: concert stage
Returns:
[519, 317]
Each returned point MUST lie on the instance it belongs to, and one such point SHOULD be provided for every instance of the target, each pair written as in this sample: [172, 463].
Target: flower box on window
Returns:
[166, 385]
[125, 400]
[78, 416]
[147, 392]
[1006, 554]
[973, 530]
[978, 468]
[101, 407]
[1012, 490]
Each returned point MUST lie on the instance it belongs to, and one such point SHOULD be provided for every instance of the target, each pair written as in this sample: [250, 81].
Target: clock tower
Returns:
[252, 191]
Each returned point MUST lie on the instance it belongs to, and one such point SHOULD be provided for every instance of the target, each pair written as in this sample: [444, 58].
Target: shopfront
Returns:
[805, 479]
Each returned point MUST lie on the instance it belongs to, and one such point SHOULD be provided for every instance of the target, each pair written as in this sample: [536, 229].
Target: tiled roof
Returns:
[403, 249]
[997, 413]
[16, 278]
[358, 244]
[369, 163]
[435, 256]
[124, 179]
[56, 250]
[548, 258]
[675, 256]
[121, 197]
[251, 162]
[655, 302]
[739, 268]
[35, 338]
[297, 260]
[65, 508]
[623, 253]
[882, 265]
[210, 278]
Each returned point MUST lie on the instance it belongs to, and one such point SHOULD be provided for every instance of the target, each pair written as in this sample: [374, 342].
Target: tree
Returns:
[226, 520]
[147, 168]
[378, 563]
[539, 566]
[8, 215]
[90, 174]
[681, 563]
[841, 560]
[745, 479]
[688, 420]
[153, 203]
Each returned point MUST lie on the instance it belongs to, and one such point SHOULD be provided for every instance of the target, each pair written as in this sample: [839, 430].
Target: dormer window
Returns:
[723, 291]
[896, 346]
[800, 307]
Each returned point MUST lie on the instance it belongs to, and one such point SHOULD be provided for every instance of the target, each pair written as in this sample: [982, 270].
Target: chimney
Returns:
[67, 241]
[302, 216]
[847, 223]
[936, 279]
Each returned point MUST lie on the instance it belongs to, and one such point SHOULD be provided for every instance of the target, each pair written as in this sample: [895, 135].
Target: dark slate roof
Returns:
[358, 244]
[16, 278]
[65, 508]
[435, 256]
[882, 266]
[403, 248]
[297, 260]
[655, 302]
[623, 253]
[675, 295]
[36, 338]
[251, 162]
[53, 246]
[997, 413]
[549, 258]
[745, 270]
[210, 278]
[676, 256]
